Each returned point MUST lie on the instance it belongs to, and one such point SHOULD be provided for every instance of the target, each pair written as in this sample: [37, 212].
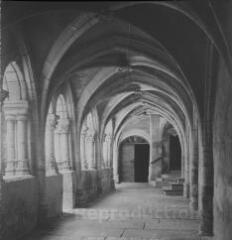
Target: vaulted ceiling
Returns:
[124, 59]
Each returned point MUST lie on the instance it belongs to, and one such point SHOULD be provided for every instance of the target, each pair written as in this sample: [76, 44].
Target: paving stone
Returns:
[134, 212]
[172, 224]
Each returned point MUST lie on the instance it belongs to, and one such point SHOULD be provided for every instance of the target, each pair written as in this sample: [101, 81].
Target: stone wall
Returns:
[107, 183]
[92, 184]
[53, 195]
[20, 205]
[223, 157]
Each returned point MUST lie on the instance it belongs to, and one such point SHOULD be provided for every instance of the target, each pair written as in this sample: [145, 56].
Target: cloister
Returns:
[106, 98]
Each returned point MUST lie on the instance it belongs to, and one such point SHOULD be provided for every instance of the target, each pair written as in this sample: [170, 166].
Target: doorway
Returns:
[175, 153]
[134, 160]
[141, 163]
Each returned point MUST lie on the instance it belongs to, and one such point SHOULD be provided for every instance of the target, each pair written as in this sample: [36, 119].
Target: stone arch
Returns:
[137, 132]
[61, 107]
[13, 82]
[215, 35]
[76, 29]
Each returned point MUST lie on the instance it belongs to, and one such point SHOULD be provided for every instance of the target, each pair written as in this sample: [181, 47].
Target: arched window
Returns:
[16, 120]
[88, 143]
[107, 146]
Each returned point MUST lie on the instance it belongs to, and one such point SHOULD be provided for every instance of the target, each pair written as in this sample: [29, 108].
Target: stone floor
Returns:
[133, 211]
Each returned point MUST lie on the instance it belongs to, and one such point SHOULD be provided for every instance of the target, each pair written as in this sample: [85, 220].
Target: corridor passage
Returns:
[133, 211]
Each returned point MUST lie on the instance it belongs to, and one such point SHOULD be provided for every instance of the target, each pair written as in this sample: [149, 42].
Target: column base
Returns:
[51, 168]
[64, 166]
[186, 190]
[22, 168]
[51, 172]
[9, 171]
[206, 227]
[194, 205]
[205, 235]
[116, 178]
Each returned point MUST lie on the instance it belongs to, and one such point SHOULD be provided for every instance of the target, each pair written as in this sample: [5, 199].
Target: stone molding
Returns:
[16, 108]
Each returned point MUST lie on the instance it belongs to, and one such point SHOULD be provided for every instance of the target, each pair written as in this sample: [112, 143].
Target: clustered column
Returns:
[51, 167]
[62, 132]
[155, 168]
[186, 166]
[83, 142]
[10, 139]
[92, 139]
[22, 160]
[194, 172]
[107, 142]
[206, 183]
[17, 138]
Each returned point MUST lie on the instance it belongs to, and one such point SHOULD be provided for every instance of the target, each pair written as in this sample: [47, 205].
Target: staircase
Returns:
[172, 184]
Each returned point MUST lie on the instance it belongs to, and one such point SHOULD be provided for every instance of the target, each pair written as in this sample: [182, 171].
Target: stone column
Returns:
[22, 158]
[115, 163]
[84, 163]
[194, 172]
[93, 156]
[108, 143]
[51, 167]
[10, 139]
[187, 165]
[155, 166]
[206, 182]
[63, 131]
[111, 152]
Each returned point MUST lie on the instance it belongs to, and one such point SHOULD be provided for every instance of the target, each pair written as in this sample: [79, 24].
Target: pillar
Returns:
[155, 166]
[111, 152]
[108, 143]
[187, 165]
[93, 162]
[63, 143]
[51, 167]
[115, 162]
[194, 171]
[22, 159]
[82, 151]
[206, 182]
[10, 139]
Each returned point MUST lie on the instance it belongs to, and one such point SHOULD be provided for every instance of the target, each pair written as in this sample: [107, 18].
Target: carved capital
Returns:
[10, 117]
[51, 121]
[22, 117]
[16, 107]
[63, 125]
[84, 131]
[107, 137]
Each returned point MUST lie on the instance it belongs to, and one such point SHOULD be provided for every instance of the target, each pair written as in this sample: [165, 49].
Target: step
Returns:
[181, 180]
[170, 181]
[158, 182]
[170, 192]
[177, 186]
[174, 187]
